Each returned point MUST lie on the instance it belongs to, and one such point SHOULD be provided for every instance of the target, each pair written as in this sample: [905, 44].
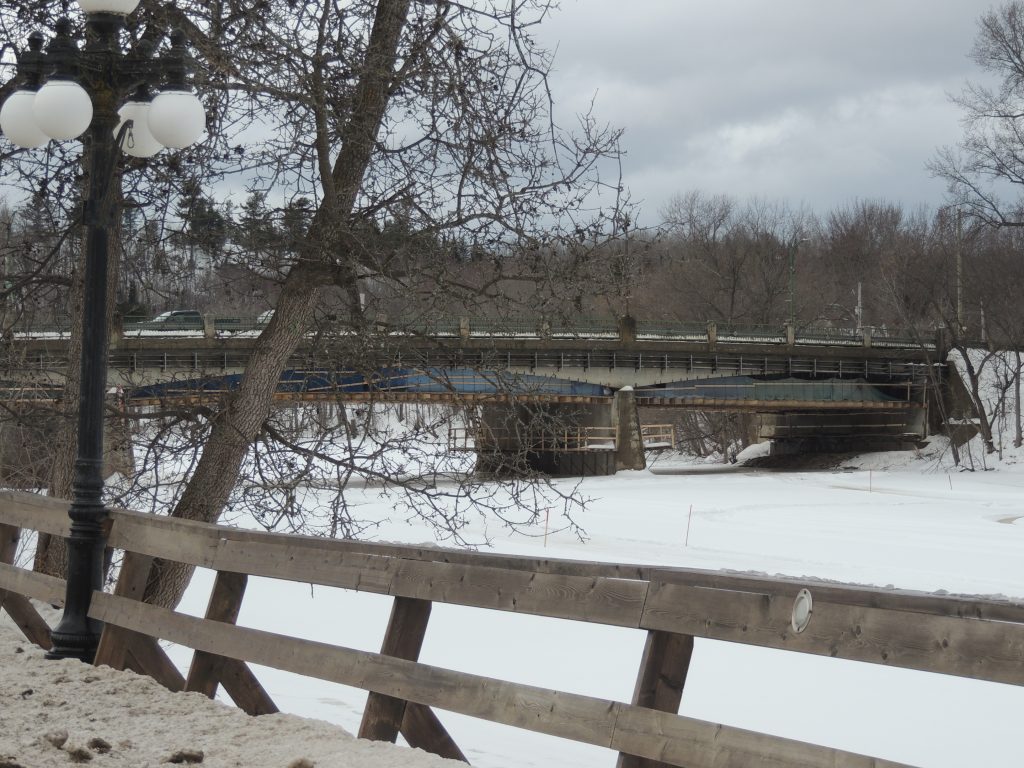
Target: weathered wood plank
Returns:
[199, 553]
[560, 714]
[618, 602]
[659, 684]
[408, 552]
[382, 717]
[422, 730]
[224, 605]
[148, 657]
[39, 586]
[24, 614]
[962, 606]
[131, 583]
[326, 566]
[986, 650]
[35, 512]
[655, 735]
[184, 541]
[244, 689]
[673, 740]
[10, 535]
[18, 607]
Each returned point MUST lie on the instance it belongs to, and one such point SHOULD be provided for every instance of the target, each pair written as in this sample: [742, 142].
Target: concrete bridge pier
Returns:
[560, 439]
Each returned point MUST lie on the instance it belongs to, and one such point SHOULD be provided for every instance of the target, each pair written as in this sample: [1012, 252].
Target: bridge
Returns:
[806, 384]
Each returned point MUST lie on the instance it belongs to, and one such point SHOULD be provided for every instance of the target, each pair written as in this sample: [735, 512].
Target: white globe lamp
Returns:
[139, 141]
[123, 7]
[177, 118]
[18, 122]
[62, 109]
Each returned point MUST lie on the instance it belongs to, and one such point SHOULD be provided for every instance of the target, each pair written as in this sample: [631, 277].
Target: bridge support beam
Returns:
[561, 440]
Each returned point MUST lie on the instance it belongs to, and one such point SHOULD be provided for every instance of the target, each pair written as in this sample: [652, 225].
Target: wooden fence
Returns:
[970, 637]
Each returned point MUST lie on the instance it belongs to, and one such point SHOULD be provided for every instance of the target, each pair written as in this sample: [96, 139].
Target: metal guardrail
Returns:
[688, 331]
[481, 437]
[469, 328]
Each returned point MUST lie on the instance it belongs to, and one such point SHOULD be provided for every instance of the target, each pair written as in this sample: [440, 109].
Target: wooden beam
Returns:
[967, 647]
[244, 689]
[184, 541]
[146, 656]
[673, 739]
[9, 537]
[382, 717]
[18, 607]
[197, 543]
[422, 730]
[614, 601]
[40, 586]
[659, 684]
[35, 512]
[682, 741]
[131, 583]
[961, 606]
[224, 605]
[24, 614]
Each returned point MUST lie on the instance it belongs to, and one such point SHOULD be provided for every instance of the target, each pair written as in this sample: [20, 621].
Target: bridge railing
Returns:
[686, 331]
[482, 438]
[973, 637]
[584, 328]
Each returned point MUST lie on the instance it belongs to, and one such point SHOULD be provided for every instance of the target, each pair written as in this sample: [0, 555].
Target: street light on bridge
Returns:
[794, 246]
[66, 91]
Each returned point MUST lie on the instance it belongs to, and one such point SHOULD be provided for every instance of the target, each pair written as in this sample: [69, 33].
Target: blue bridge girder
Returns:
[551, 365]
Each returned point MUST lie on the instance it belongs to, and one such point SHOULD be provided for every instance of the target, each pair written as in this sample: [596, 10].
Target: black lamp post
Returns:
[65, 92]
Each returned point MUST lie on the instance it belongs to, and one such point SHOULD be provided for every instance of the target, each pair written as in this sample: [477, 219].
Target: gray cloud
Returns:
[811, 101]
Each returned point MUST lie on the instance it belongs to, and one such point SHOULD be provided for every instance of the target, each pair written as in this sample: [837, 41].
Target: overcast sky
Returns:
[810, 101]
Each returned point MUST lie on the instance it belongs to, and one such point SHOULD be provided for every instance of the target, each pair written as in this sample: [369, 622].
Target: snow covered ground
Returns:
[908, 521]
[56, 713]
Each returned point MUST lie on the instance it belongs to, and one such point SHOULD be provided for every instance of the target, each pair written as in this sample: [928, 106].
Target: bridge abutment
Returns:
[561, 439]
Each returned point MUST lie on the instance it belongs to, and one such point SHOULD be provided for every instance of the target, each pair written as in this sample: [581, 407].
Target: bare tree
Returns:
[729, 261]
[418, 133]
[985, 171]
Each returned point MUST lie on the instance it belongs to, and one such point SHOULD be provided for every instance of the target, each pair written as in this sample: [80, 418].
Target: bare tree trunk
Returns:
[984, 423]
[242, 419]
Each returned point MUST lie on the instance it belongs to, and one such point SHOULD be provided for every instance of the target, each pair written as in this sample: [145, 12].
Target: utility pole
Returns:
[794, 245]
[960, 327]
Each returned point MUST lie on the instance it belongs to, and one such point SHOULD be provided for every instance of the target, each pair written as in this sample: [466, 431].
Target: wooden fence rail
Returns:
[966, 636]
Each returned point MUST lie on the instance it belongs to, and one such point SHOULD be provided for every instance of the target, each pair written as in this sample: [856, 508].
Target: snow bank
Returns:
[59, 712]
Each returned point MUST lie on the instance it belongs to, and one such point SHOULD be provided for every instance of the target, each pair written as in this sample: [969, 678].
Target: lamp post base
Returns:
[70, 645]
[77, 636]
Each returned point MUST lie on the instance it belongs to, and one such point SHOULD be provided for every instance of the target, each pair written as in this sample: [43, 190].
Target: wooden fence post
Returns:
[209, 671]
[659, 684]
[386, 716]
[382, 718]
[422, 730]
[32, 625]
[124, 649]
[131, 582]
